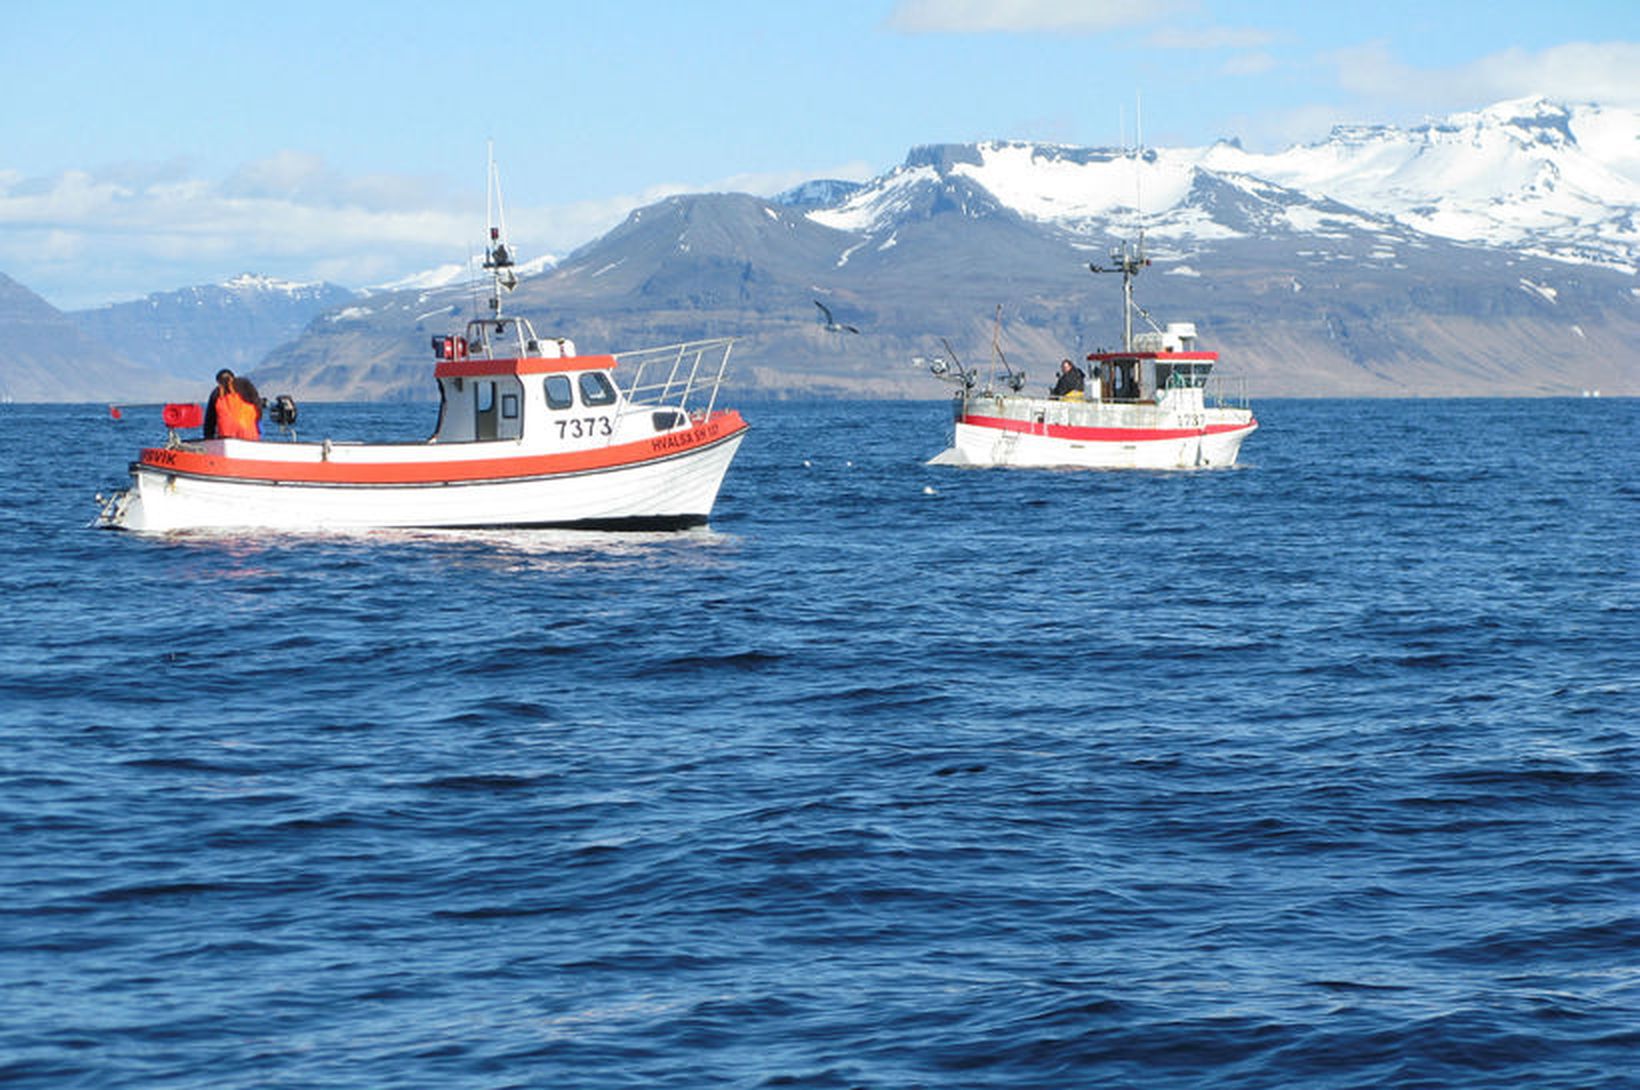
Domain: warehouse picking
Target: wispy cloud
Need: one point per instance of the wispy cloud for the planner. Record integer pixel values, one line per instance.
(86, 237)
(1026, 16)
(1211, 38)
(1091, 17)
(1370, 83)
(1248, 64)
(1577, 71)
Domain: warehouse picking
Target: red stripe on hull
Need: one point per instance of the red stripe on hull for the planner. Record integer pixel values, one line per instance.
(1101, 435)
(721, 426)
(1211, 357)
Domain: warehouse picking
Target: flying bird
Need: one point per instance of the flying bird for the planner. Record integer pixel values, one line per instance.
(831, 323)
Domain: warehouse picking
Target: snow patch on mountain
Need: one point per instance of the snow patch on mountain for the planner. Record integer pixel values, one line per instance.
(459, 274)
(1542, 291)
(1045, 184)
(880, 202)
(246, 283)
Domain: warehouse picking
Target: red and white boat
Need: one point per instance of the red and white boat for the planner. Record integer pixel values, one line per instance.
(529, 434)
(1153, 405)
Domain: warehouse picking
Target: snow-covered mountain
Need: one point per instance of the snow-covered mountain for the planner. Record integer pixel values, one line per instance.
(1529, 175)
(1558, 180)
(818, 193)
(196, 330)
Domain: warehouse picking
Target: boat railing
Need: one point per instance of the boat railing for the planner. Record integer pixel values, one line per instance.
(1226, 392)
(505, 337)
(676, 375)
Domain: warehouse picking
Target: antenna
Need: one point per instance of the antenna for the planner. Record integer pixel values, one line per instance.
(1138, 166)
(497, 258)
(1129, 258)
(499, 219)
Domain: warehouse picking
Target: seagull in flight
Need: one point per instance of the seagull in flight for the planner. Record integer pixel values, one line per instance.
(831, 323)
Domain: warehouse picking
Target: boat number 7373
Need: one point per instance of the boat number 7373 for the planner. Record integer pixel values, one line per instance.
(584, 427)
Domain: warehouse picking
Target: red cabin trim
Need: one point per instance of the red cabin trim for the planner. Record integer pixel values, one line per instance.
(1102, 356)
(531, 365)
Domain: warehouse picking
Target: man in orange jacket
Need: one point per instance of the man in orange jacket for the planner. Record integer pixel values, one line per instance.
(239, 411)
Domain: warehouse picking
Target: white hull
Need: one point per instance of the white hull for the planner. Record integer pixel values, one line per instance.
(662, 493)
(1041, 433)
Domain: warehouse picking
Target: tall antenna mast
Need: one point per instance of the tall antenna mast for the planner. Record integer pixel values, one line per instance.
(497, 257)
(1127, 261)
(1127, 258)
(1138, 166)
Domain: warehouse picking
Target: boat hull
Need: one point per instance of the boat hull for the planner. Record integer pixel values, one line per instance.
(1043, 433)
(673, 491)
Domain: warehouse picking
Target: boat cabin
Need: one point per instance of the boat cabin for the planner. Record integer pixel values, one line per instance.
(1157, 362)
(500, 374)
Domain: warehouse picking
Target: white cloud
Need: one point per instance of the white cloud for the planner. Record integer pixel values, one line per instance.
(82, 238)
(1373, 85)
(284, 174)
(1025, 16)
(1574, 72)
(1248, 64)
(1272, 130)
(1211, 38)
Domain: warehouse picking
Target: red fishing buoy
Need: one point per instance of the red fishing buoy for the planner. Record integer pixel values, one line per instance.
(182, 415)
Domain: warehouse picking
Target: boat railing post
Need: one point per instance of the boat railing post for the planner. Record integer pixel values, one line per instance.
(717, 382)
(681, 383)
(695, 379)
(672, 378)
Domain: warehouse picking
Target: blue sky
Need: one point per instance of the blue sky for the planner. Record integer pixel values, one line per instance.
(149, 146)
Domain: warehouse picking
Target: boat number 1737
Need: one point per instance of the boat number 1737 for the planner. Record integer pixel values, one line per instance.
(583, 427)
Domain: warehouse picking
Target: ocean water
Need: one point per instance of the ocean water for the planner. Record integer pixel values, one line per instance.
(1317, 772)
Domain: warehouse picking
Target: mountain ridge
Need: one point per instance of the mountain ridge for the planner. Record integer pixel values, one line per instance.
(1492, 251)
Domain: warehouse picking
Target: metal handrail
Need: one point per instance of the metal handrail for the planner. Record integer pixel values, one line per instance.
(690, 371)
(1227, 391)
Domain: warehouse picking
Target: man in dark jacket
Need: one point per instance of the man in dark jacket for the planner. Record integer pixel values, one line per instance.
(224, 381)
(1071, 379)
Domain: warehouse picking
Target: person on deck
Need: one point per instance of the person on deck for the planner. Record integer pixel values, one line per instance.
(239, 411)
(1070, 383)
(224, 383)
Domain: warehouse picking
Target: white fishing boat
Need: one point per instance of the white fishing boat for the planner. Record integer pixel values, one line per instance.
(1155, 404)
(530, 433)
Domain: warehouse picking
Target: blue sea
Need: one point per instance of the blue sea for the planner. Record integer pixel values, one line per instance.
(1318, 772)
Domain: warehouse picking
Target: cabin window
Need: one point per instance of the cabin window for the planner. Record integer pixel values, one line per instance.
(510, 426)
(596, 389)
(1169, 375)
(1124, 380)
(559, 395)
